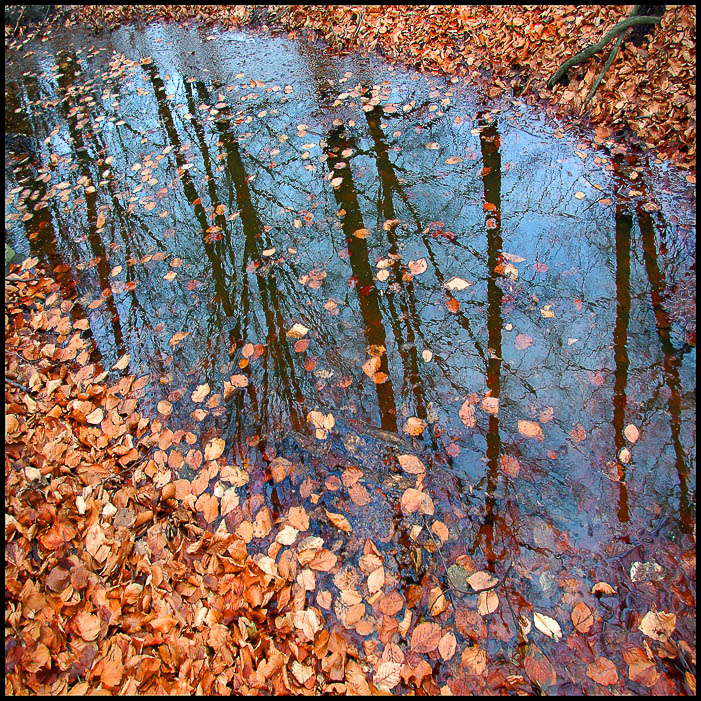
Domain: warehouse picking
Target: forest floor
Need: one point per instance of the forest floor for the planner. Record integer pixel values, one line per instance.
(111, 588)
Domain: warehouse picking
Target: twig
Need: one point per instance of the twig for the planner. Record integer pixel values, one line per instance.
(19, 19)
(360, 21)
(9, 381)
(609, 61)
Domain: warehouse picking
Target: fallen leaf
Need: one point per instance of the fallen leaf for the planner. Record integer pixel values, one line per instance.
(631, 433)
(481, 580)
(582, 618)
(418, 266)
(447, 646)
(425, 637)
(411, 464)
(200, 393)
(456, 284)
(658, 625)
(523, 340)
(414, 426)
(214, 448)
(297, 331)
(547, 625)
(474, 660)
(122, 363)
(339, 520)
(603, 671)
(530, 429)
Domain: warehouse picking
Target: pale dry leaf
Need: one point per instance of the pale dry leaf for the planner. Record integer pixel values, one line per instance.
(547, 625)
(214, 448)
(530, 429)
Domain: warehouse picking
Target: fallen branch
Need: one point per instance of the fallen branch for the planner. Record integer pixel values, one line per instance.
(609, 61)
(595, 48)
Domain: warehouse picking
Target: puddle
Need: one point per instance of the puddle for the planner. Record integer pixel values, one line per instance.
(450, 260)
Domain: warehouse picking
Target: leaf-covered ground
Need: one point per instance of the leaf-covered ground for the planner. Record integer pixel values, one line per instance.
(649, 92)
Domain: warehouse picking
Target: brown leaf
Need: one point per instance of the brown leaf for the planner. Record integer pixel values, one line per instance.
(447, 646)
(425, 637)
(474, 660)
(538, 668)
(324, 561)
(603, 671)
(214, 448)
(414, 426)
(582, 617)
(523, 340)
(578, 433)
(338, 520)
(411, 464)
(509, 465)
(87, 625)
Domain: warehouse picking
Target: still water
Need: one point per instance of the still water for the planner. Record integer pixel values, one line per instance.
(437, 249)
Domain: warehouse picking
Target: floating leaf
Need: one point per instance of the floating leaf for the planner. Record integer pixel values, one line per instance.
(523, 341)
(547, 625)
(631, 433)
(414, 426)
(200, 393)
(481, 580)
(177, 337)
(122, 363)
(338, 520)
(297, 331)
(411, 464)
(418, 266)
(455, 284)
(582, 617)
(530, 429)
(214, 448)
(603, 671)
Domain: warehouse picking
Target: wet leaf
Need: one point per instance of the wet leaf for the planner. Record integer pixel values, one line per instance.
(411, 464)
(456, 284)
(414, 426)
(481, 580)
(547, 625)
(339, 520)
(425, 637)
(447, 646)
(631, 433)
(523, 341)
(530, 429)
(582, 618)
(658, 625)
(603, 671)
(200, 393)
(122, 363)
(474, 660)
(214, 449)
(418, 266)
(487, 602)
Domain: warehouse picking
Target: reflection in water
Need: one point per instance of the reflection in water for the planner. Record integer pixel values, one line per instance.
(352, 220)
(228, 172)
(672, 362)
(624, 224)
(491, 160)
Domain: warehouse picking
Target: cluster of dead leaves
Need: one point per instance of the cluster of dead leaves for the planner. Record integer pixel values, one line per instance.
(649, 90)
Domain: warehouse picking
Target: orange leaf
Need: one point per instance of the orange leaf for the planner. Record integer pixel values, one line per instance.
(602, 671)
(425, 637)
(453, 305)
(582, 618)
